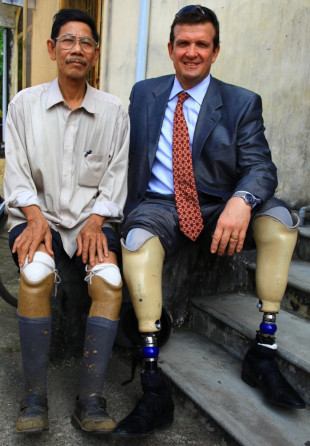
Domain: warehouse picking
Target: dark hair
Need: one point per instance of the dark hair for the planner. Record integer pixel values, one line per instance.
(72, 15)
(196, 16)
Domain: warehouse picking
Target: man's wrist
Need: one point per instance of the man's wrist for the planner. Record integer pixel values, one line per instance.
(250, 199)
(97, 219)
(32, 212)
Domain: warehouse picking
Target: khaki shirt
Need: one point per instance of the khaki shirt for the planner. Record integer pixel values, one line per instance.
(69, 163)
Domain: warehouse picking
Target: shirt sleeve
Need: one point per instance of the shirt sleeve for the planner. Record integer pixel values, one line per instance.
(19, 188)
(113, 185)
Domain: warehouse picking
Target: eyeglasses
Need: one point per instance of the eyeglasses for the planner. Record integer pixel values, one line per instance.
(68, 41)
(190, 8)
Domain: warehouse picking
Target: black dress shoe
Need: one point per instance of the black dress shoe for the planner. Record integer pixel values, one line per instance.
(91, 416)
(155, 409)
(33, 417)
(259, 368)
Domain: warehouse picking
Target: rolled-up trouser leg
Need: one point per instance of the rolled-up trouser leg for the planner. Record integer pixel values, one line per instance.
(143, 274)
(275, 243)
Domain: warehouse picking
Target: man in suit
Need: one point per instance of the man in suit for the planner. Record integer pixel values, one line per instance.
(230, 198)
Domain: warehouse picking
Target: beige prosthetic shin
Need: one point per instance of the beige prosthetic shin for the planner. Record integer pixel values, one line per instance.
(34, 297)
(275, 245)
(143, 274)
(106, 298)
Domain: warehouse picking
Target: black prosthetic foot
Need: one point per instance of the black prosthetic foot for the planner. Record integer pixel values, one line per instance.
(260, 369)
(155, 409)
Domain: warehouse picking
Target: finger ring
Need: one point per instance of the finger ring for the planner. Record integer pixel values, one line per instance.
(233, 238)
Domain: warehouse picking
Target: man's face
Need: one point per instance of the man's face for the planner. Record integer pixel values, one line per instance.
(73, 63)
(193, 53)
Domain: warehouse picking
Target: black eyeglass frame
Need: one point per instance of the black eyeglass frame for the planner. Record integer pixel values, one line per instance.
(190, 8)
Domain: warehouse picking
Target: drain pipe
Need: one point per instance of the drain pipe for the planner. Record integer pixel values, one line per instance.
(142, 39)
(4, 82)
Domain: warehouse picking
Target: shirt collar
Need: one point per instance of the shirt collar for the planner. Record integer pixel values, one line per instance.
(197, 93)
(55, 97)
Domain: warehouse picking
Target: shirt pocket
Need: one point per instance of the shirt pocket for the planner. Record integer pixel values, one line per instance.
(91, 170)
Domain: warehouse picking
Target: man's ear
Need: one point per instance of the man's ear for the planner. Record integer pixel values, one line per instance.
(51, 48)
(215, 53)
(97, 52)
(170, 49)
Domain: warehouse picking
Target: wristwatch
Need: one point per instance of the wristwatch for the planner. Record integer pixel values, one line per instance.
(248, 198)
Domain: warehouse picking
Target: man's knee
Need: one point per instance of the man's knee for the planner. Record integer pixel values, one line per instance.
(36, 285)
(105, 290)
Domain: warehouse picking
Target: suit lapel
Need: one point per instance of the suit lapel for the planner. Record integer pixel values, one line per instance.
(208, 118)
(156, 112)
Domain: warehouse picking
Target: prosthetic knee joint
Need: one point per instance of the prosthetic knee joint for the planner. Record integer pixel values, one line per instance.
(275, 243)
(143, 274)
(37, 280)
(105, 290)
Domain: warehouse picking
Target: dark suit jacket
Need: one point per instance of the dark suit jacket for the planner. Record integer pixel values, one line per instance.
(230, 151)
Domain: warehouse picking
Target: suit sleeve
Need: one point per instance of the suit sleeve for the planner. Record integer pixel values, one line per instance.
(256, 172)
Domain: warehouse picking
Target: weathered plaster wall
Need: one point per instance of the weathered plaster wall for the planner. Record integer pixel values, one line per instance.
(264, 47)
(42, 68)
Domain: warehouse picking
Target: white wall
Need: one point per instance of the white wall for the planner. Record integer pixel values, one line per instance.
(264, 47)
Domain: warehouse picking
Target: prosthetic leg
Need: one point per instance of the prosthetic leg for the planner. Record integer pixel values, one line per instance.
(275, 244)
(34, 318)
(143, 275)
(105, 291)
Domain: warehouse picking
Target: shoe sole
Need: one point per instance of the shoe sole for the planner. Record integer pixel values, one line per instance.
(160, 426)
(38, 430)
(76, 423)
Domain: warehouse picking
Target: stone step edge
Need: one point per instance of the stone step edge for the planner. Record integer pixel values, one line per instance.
(245, 331)
(292, 281)
(205, 409)
(239, 428)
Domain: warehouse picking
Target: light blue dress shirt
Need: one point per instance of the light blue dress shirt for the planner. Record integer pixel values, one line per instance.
(162, 179)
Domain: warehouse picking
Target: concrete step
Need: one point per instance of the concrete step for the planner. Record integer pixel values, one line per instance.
(297, 295)
(210, 377)
(231, 320)
(303, 244)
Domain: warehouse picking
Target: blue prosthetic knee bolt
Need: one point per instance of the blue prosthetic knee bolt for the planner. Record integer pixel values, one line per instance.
(267, 329)
(150, 351)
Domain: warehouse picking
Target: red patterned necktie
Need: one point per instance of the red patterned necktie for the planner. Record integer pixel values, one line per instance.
(186, 198)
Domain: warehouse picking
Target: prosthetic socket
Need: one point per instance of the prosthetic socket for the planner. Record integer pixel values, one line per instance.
(275, 243)
(105, 290)
(143, 274)
(40, 276)
(37, 280)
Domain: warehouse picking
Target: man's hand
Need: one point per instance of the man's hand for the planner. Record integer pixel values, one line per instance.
(91, 241)
(36, 232)
(231, 227)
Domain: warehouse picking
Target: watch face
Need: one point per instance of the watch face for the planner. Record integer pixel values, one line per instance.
(249, 199)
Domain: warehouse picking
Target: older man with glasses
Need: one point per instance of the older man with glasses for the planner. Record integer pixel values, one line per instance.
(65, 185)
